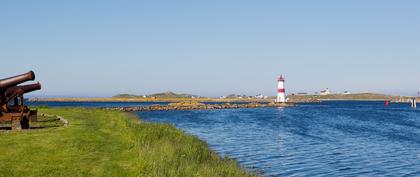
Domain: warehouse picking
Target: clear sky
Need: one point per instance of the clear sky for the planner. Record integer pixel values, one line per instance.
(100, 48)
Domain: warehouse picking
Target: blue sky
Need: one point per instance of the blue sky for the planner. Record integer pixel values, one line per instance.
(212, 48)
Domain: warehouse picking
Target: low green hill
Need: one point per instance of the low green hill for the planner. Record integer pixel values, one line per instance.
(158, 95)
(125, 95)
(172, 95)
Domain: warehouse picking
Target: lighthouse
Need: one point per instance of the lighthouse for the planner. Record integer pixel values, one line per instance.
(281, 95)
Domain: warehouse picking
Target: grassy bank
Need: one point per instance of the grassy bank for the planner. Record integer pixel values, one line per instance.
(108, 143)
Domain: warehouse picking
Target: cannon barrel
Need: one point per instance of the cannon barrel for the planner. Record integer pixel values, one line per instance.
(25, 88)
(15, 80)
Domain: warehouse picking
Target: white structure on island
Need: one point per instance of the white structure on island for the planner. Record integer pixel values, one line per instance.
(281, 95)
(326, 92)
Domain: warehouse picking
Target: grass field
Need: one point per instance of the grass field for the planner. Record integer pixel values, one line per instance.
(108, 143)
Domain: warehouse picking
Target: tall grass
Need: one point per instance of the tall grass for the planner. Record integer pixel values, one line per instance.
(108, 143)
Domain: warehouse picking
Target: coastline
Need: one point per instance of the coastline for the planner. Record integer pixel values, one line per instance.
(353, 97)
(198, 106)
(101, 142)
(145, 100)
(292, 98)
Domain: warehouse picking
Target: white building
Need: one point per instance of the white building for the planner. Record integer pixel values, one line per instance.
(260, 96)
(325, 92)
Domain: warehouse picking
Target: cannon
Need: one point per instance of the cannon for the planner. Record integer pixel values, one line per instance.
(12, 107)
(15, 80)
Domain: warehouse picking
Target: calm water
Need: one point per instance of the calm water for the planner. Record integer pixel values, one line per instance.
(103, 104)
(92, 104)
(326, 139)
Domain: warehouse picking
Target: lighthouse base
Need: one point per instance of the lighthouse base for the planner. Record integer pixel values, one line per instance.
(280, 104)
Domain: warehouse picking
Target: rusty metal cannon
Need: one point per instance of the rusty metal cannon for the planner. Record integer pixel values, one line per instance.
(13, 111)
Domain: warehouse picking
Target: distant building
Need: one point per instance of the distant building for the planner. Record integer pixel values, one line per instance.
(301, 93)
(346, 93)
(325, 92)
(260, 96)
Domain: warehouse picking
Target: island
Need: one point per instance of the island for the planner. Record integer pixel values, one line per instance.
(232, 98)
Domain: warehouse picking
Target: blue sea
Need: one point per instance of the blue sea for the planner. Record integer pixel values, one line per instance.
(324, 139)
(104, 104)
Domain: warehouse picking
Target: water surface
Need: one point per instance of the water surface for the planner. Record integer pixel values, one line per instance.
(98, 104)
(326, 139)
(90, 104)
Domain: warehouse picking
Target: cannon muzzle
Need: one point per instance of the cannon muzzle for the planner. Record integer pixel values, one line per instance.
(25, 88)
(15, 80)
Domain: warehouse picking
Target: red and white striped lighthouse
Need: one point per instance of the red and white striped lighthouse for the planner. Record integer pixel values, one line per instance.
(281, 95)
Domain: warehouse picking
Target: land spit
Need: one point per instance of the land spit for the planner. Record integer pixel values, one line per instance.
(198, 106)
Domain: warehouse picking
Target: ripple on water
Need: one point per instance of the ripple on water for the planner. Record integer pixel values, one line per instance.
(327, 139)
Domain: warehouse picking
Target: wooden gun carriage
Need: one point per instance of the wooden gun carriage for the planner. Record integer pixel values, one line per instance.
(13, 111)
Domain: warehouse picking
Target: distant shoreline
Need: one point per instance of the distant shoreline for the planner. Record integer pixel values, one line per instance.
(144, 100)
(292, 98)
(353, 97)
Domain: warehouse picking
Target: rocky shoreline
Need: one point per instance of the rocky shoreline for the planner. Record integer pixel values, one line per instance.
(198, 106)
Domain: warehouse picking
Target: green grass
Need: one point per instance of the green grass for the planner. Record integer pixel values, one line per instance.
(108, 143)
(46, 121)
